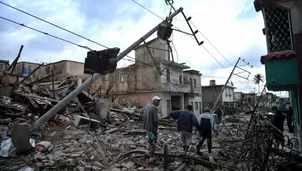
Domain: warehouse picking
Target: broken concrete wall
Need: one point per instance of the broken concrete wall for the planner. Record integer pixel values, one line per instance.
(24, 68)
(102, 108)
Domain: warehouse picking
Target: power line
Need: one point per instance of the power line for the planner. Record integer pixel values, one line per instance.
(192, 38)
(76, 34)
(147, 9)
(52, 24)
(56, 37)
(189, 36)
(211, 43)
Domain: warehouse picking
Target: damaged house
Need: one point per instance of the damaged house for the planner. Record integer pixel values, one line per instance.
(155, 73)
(211, 92)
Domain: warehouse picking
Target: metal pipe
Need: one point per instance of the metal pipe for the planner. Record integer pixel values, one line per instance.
(217, 100)
(53, 111)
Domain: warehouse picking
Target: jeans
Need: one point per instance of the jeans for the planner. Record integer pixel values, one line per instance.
(201, 141)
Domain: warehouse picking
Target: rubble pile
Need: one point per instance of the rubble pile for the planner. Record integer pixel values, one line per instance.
(92, 133)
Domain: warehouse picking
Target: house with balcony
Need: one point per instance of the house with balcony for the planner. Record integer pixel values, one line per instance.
(283, 62)
(155, 73)
(211, 92)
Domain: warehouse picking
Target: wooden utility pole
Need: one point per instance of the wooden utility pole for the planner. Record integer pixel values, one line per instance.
(226, 83)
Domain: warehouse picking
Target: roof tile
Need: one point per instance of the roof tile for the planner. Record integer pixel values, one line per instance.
(278, 55)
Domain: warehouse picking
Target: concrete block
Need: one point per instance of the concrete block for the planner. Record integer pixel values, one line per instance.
(81, 120)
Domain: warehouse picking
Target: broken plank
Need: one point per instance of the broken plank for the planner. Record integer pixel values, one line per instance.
(180, 167)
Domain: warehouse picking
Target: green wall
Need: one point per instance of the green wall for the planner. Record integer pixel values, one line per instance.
(281, 74)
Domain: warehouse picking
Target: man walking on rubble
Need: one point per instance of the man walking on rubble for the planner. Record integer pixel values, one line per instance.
(185, 122)
(150, 118)
(206, 130)
(278, 121)
(218, 112)
(289, 118)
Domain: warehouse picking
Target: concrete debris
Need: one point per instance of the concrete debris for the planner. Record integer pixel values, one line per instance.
(92, 133)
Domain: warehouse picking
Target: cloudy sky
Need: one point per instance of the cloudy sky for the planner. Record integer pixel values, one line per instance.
(232, 26)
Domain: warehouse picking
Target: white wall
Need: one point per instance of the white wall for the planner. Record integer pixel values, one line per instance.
(193, 100)
(228, 95)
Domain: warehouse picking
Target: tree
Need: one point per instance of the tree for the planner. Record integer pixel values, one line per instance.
(257, 80)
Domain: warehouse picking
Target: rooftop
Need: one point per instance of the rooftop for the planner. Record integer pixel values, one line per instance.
(192, 71)
(176, 65)
(211, 86)
(149, 42)
(4, 61)
(278, 55)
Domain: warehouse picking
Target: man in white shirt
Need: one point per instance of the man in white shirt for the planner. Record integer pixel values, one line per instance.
(206, 130)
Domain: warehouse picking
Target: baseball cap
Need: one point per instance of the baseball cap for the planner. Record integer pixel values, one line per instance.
(207, 109)
(156, 98)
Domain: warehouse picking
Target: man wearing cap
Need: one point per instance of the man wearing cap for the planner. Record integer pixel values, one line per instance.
(150, 118)
(206, 129)
(185, 122)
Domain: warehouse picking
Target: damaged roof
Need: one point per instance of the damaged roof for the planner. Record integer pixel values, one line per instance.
(278, 55)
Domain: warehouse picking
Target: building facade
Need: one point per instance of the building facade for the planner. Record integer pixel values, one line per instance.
(210, 94)
(4, 64)
(155, 73)
(61, 69)
(283, 63)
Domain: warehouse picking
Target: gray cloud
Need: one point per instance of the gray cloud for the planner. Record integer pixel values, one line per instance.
(85, 14)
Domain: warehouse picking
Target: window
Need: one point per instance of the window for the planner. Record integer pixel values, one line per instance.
(168, 105)
(195, 83)
(168, 74)
(192, 104)
(29, 69)
(200, 107)
(180, 79)
(278, 29)
(196, 106)
(123, 77)
(1, 67)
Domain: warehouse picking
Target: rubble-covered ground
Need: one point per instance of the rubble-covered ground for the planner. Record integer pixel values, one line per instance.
(92, 133)
(79, 148)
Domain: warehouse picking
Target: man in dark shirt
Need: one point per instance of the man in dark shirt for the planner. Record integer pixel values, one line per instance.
(185, 122)
(150, 118)
(218, 112)
(278, 121)
(289, 119)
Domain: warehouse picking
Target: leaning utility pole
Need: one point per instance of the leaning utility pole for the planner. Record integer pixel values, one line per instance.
(53, 111)
(226, 83)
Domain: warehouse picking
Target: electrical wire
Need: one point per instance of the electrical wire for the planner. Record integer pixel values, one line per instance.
(76, 34)
(56, 37)
(210, 43)
(190, 37)
(147, 9)
(85, 47)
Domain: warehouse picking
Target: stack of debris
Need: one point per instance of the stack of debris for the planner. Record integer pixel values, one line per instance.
(92, 133)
